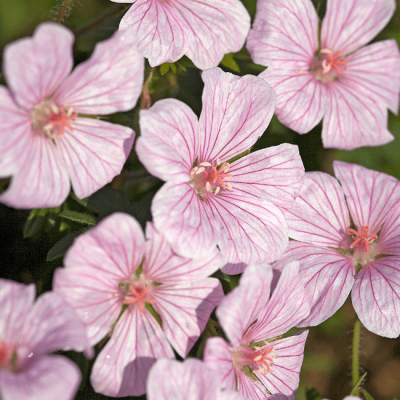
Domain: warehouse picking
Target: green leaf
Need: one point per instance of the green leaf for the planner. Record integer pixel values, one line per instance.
(357, 386)
(173, 67)
(164, 68)
(36, 220)
(312, 394)
(229, 62)
(61, 247)
(78, 217)
(367, 395)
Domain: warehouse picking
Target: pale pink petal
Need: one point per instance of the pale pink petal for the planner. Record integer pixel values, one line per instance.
(14, 134)
(16, 301)
(42, 179)
(274, 174)
(319, 215)
(53, 325)
(190, 380)
(373, 70)
(162, 265)
(284, 375)
(350, 24)
(46, 378)
(253, 230)
(251, 389)
(94, 153)
(236, 112)
(389, 237)
(218, 357)
(186, 221)
(34, 67)
(284, 34)
(242, 307)
(376, 296)
(353, 120)
(122, 367)
(160, 29)
(110, 81)
(287, 307)
(301, 99)
(184, 310)
(370, 194)
(167, 145)
(212, 29)
(328, 277)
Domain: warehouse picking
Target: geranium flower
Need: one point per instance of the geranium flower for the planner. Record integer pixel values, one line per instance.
(44, 142)
(256, 361)
(28, 332)
(204, 30)
(334, 77)
(332, 249)
(210, 197)
(141, 294)
(173, 380)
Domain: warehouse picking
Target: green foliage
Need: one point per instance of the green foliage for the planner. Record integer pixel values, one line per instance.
(39, 219)
(229, 62)
(312, 394)
(61, 247)
(367, 396)
(75, 216)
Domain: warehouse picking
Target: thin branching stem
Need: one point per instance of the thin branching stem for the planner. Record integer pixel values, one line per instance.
(64, 8)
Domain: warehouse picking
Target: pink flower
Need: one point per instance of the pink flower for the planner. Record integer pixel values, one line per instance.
(141, 294)
(45, 143)
(192, 379)
(204, 30)
(28, 332)
(209, 198)
(335, 77)
(256, 361)
(332, 250)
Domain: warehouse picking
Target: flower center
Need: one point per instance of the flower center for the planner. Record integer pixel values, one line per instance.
(51, 119)
(259, 358)
(8, 356)
(209, 178)
(328, 65)
(362, 238)
(137, 292)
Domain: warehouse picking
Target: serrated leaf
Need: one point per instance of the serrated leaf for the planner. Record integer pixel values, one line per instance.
(367, 395)
(61, 247)
(78, 217)
(313, 394)
(229, 62)
(164, 68)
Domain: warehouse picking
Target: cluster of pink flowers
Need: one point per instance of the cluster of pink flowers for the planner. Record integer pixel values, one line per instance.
(141, 298)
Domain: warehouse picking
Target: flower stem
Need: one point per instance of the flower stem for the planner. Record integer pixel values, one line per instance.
(355, 367)
(63, 10)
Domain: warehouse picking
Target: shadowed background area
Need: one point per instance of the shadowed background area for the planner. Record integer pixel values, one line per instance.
(28, 236)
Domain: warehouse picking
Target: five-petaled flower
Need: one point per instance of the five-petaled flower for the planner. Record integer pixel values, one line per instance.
(211, 197)
(331, 252)
(44, 142)
(28, 332)
(257, 362)
(204, 30)
(336, 78)
(141, 294)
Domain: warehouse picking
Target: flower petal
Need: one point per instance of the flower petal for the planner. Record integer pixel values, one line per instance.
(110, 81)
(251, 389)
(14, 134)
(389, 237)
(47, 378)
(328, 277)
(376, 296)
(370, 194)
(167, 145)
(287, 307)
(350, 24)
(242, 307)
(373, 70)
(185, 220)
(94, 153)
(284, 376)
(122, 367)
(34, 67)
(253, 230)
(319, 215)
(213, 29)
(284, 34)
(236, 112)
(184, 310)
(41, 180)
(301, 99)
(274, 174)
(218, 357)
(164, 266)
(160, 30)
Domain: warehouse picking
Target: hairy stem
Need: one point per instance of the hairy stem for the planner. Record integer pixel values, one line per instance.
(355, 365)
(63, 10)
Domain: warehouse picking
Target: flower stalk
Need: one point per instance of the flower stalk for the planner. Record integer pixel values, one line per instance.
(355, 367)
